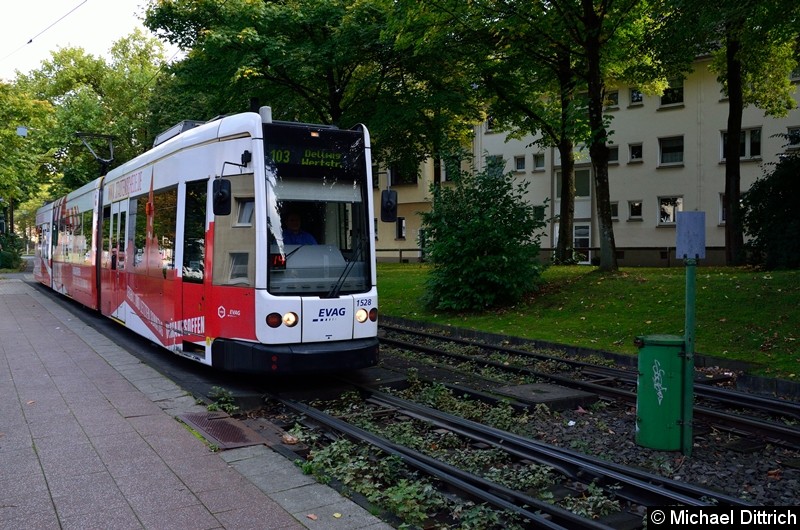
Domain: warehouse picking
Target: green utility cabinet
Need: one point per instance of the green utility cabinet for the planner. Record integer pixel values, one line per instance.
(660, 415)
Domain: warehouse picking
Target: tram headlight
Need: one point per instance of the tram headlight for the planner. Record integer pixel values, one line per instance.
(289, 319)
(361, 315)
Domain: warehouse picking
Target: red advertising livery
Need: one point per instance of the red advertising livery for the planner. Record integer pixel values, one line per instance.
(241, 243)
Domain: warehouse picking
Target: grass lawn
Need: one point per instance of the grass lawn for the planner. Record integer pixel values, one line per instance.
(741, 313)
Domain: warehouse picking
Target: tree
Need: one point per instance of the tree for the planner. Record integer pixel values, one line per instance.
(23, 166)
(772, 228)
(89, 94)
(483, 242)
(755, 47)
(338, 62)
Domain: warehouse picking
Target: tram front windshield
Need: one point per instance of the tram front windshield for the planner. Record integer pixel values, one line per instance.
(317, 211)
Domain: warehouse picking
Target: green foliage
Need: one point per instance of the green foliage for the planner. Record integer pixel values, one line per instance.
(11, 249)
(774, 229)
(743, 314)
(483, 242)
(223, 400)
(592, 504)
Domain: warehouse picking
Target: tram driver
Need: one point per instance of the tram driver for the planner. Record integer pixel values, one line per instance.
(293, 233)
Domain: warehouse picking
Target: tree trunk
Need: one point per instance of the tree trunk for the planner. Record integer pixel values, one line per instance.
(565, 244)
(734, 237)
(598, 150)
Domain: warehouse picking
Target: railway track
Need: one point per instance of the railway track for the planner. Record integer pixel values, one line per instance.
(620, 385)
(633, 488)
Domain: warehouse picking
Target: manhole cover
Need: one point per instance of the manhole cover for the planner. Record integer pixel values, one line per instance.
(222, 430)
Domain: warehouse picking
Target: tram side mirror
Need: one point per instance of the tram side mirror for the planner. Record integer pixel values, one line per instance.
(388, 206)
(222, 197)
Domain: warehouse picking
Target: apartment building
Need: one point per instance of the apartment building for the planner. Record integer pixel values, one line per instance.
(666, 156)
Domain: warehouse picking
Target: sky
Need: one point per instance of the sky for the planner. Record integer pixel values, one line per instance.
(93, 25)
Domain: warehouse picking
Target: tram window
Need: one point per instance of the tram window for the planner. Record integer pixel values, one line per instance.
(87, 236)
(157, 256)
(106, 259)
(194, 243)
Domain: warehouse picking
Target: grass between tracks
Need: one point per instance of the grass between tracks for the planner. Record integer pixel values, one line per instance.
(741, 313)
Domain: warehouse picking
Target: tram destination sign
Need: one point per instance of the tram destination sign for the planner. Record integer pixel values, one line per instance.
(312, 150)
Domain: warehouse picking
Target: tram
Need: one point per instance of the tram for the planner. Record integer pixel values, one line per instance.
(189, 245)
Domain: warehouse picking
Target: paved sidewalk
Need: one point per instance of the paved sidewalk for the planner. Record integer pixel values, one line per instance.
(89, 440)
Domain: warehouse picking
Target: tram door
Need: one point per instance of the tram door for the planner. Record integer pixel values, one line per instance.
(193, 268)
(117, 250)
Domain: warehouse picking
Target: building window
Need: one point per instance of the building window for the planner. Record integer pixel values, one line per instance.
(402, 173)
(495, 165)
(793, 138)
(615, 211)
(668, 208)
(490, 124)
(635, 210)
(722, 204)
(635, 153)
(612, 99)
(519, 163)
(400, 228)
(749, 144)
(613, 154)
(670, 150)
(538, 162)
(635, 97)
(583, 184)
(375, 227)
(581, 241)
(673, 95)
(244, 209)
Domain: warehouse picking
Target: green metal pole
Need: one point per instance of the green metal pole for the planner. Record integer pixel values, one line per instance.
(688, 365)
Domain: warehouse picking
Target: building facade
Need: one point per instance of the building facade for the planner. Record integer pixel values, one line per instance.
(666, 156)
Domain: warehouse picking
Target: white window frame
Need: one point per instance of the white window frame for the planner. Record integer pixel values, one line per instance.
(670, 216)
(245, 208)
(635, 159)
(748, 144)
(400, 228)
(796, 144)
(612, 99)
(496, 163)
(675, 89)
(537, 158)
(661, 148)
(582, 232)
(635, 97)
(631, 206)
(239, 260)
(519, 163)
(613, 154)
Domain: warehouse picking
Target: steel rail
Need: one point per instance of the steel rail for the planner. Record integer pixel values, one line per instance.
(554, 518)
(731, 397)
(637, 486)
(770, 431)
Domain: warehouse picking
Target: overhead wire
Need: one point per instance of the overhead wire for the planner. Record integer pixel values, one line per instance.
(44, 30)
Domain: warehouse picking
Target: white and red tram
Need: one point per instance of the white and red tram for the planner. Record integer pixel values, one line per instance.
(185, 245)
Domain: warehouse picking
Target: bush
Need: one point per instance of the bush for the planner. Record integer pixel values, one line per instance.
(483, 241)
(11, 249)
(769, 221)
